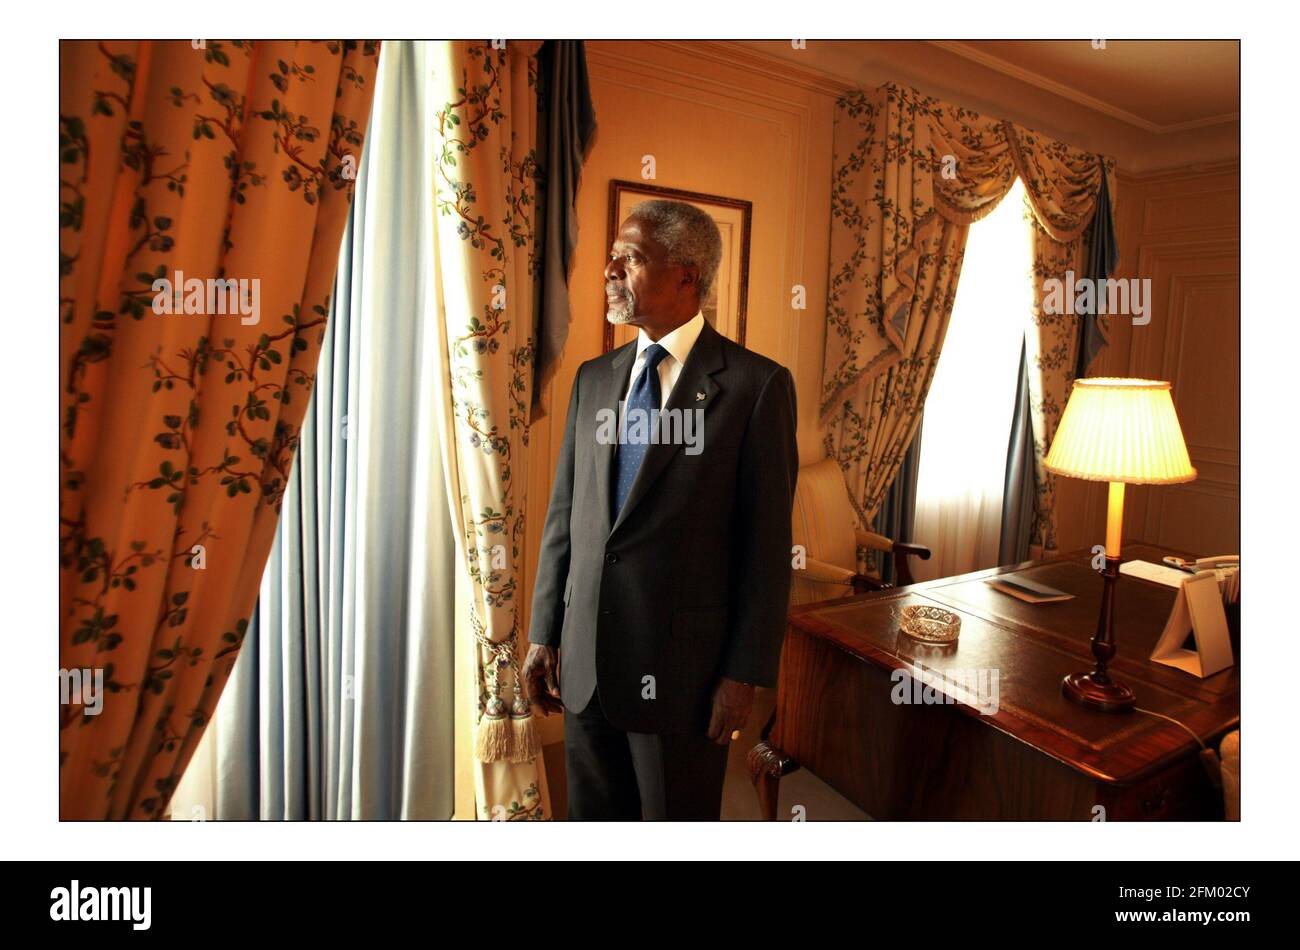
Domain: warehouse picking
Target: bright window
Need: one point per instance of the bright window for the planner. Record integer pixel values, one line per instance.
(972, 398)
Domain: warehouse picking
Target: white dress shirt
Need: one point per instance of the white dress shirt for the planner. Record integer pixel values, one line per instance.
(678, 343)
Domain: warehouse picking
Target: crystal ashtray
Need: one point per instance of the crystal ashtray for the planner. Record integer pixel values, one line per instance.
(929, 624)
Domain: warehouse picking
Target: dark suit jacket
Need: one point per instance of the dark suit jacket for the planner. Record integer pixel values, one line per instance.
(693, 580)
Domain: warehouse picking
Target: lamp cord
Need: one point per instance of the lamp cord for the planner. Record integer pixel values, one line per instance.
(1181, 725)
(1209, 758)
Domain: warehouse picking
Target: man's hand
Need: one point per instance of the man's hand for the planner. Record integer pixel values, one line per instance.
(541, 678)
(732, 702)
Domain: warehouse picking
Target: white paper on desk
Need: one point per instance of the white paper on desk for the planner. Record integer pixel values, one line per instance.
(1198, 610)
(1159, 573)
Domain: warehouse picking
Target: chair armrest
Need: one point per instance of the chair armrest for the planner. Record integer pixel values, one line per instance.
(878, 542)
(869, 539)
(918, 550)
(824, 573)
(900, 549)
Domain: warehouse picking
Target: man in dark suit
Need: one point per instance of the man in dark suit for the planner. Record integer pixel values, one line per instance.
(664, 573)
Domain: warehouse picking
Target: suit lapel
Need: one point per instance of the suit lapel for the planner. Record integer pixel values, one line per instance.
(696, 377)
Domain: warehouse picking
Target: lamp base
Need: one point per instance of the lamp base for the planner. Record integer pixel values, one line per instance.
(1098, 692)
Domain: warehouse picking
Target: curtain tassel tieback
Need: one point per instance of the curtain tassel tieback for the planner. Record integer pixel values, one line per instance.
(525, 745)
(492, 737)
(504, 735)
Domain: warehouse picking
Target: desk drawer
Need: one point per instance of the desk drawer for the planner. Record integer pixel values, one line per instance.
(1181, 792)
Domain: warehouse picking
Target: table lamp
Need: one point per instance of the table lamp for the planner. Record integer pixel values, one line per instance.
(1125, 432)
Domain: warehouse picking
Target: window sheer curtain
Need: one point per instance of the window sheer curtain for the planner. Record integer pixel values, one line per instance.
(969, 408)
(341, 703)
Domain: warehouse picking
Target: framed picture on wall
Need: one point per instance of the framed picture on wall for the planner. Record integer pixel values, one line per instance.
(725, 308)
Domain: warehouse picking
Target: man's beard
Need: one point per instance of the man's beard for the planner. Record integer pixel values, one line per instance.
(620, 311)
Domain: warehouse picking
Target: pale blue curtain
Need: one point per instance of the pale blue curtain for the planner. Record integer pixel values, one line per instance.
(341, 703)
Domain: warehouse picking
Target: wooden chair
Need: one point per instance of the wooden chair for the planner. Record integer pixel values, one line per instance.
(835, 548)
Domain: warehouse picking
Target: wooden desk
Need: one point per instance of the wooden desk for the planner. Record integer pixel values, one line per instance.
(1038, 756)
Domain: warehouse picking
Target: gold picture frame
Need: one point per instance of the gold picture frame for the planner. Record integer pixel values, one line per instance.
(728, 299)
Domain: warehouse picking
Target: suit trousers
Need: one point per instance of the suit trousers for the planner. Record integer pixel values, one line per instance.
(629, 776)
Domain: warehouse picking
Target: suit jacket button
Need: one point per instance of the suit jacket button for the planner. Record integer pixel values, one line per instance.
(611, 558)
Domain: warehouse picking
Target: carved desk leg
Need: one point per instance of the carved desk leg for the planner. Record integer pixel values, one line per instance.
(767, 763)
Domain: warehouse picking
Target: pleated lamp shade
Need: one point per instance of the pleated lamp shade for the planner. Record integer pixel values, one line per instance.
(1120, 430)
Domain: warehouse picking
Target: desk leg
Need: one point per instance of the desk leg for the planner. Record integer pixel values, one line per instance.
(767, 763)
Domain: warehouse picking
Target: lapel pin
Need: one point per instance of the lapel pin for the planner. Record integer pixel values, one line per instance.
(699, 396)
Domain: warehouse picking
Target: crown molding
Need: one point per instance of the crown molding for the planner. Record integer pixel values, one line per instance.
(990, 61)
(1228, 166)
(768, 65)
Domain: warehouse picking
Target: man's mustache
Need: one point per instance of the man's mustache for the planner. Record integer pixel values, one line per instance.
(612, 291)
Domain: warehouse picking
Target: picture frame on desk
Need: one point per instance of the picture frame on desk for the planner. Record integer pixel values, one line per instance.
(729, 297)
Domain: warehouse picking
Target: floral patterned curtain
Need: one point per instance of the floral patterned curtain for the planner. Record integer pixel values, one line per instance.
(911, 174)
(486, 169)
(203, 191)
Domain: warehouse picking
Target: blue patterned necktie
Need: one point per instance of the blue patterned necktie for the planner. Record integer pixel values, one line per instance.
(644, 398)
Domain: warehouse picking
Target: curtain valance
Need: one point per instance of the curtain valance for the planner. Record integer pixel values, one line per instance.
(922, 161)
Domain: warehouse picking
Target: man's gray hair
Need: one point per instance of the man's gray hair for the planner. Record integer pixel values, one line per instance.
(688, 234)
